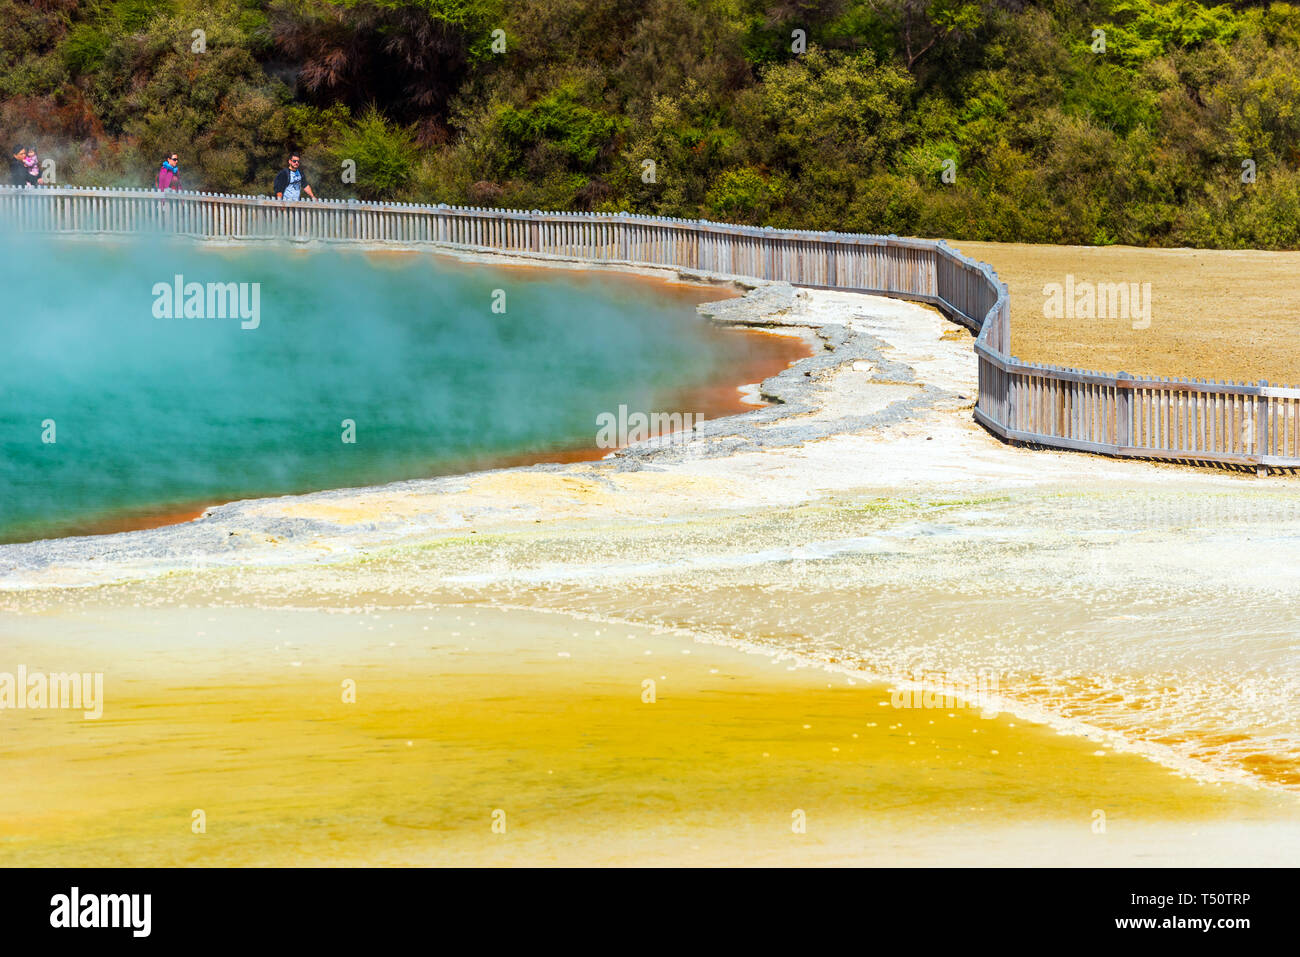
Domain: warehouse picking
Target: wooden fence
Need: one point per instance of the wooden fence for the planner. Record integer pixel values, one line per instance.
(1190, 420)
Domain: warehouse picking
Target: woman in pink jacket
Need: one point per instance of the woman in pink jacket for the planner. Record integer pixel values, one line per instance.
(169, 174)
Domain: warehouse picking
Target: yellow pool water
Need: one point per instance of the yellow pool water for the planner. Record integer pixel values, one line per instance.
(496, 736)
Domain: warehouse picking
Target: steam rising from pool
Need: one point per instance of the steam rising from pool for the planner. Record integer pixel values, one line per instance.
(109, 406)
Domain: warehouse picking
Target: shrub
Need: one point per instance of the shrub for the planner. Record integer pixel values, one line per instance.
(384, 153)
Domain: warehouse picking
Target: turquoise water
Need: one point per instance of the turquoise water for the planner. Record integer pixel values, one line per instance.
(148, 413)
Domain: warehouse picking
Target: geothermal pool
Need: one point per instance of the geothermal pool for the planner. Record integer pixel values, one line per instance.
(499, 631)
(137, 384)
(508, 670)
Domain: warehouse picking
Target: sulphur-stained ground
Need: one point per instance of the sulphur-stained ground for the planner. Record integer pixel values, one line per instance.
(1215, 314)
(468, 735)
(1136, 622)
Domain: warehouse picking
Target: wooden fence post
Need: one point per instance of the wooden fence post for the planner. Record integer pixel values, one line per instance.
(1123, 420)
(1261, 424)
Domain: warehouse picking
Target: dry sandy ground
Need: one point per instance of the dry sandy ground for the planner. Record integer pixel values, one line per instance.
(1216, 314)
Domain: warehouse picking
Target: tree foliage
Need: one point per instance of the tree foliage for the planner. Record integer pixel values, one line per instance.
(989, 119)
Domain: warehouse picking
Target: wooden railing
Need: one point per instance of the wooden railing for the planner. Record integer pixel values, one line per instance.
(1195, 420)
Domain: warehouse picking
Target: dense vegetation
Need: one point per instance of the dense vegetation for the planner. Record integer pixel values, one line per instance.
(1050, 137)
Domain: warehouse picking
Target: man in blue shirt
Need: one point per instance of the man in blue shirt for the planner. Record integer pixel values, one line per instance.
(290, 183)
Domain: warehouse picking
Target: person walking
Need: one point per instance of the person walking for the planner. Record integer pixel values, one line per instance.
(169, 174)
(25, 168)
(290, 183)
(18, 167)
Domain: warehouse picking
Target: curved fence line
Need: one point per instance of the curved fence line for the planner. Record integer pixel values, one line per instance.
(1184, 419)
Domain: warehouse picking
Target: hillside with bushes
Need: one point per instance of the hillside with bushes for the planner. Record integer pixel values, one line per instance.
(1114, 121)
